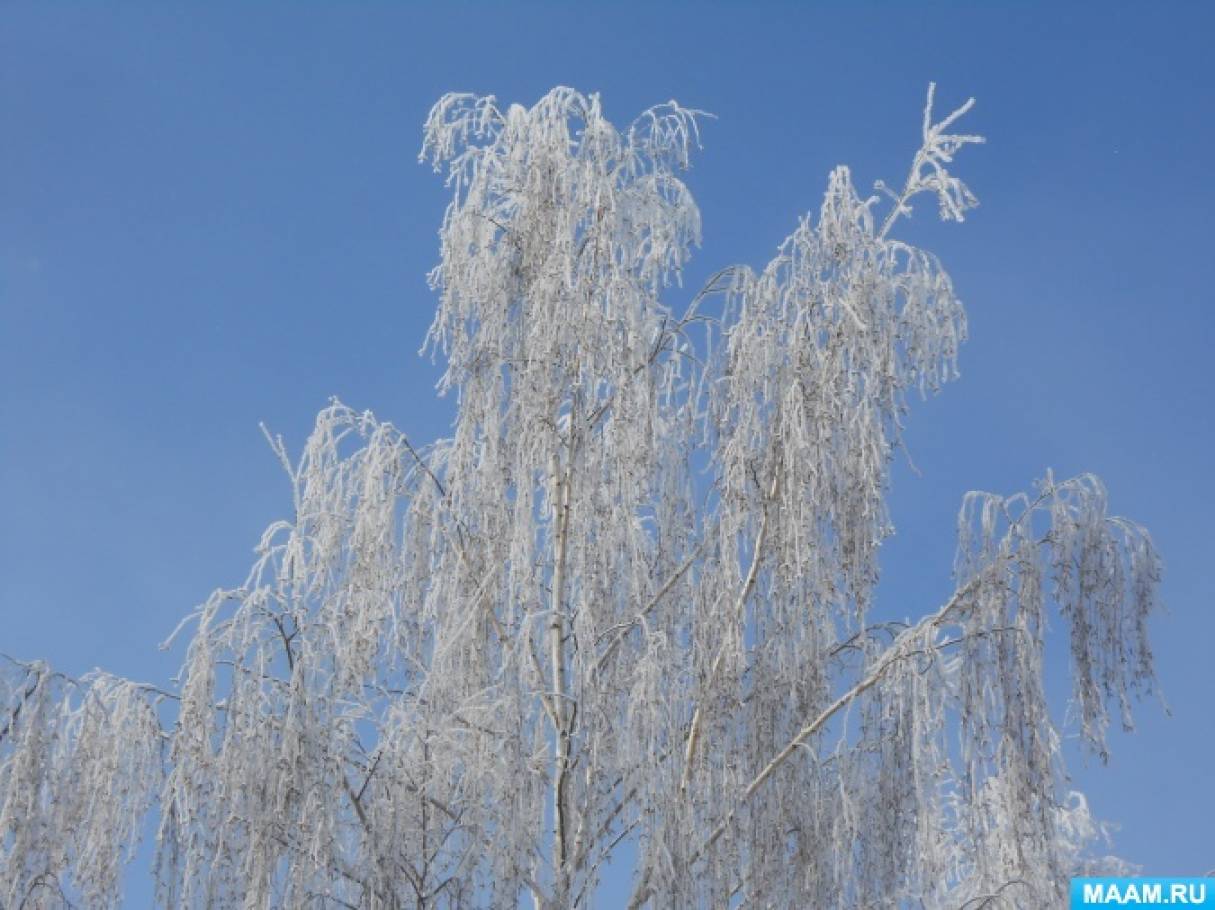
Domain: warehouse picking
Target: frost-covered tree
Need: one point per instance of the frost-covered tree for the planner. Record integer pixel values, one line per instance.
(625, 610)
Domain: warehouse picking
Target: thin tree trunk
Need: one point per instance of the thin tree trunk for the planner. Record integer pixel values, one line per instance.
(559, 695)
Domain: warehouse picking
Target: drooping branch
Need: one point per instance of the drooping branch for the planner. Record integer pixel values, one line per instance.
(628, 600)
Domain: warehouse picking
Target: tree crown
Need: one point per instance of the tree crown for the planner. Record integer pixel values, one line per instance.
(627, 600)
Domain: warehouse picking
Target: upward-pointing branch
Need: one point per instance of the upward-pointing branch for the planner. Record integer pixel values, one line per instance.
(748, 584)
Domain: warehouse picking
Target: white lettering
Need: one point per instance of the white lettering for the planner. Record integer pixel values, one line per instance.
(1144, 892)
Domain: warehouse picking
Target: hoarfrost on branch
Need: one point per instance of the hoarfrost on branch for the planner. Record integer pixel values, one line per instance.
(627, 601)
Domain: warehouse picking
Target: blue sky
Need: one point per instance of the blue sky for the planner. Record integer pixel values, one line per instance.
(211, 217)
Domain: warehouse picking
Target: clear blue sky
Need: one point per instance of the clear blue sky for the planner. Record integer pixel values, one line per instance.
(211, 216)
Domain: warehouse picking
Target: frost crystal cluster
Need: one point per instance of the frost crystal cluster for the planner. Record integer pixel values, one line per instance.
(625, 610)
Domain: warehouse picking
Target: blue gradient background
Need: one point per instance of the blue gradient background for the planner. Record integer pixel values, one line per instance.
(211, 216)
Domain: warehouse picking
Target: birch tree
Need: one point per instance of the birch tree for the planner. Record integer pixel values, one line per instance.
(626, 609)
